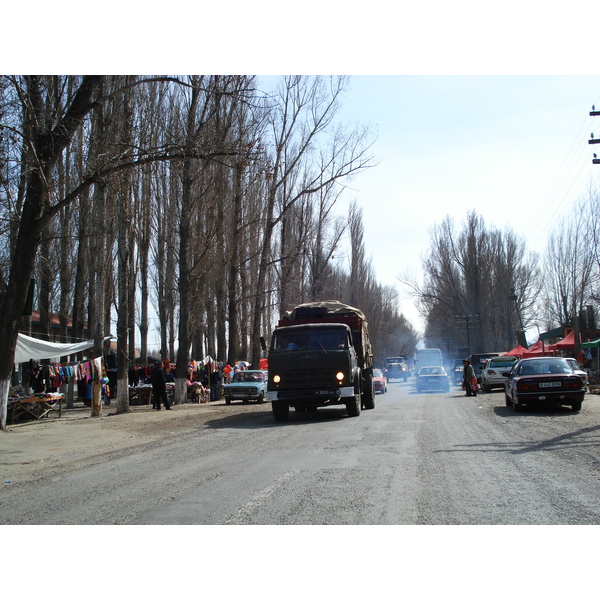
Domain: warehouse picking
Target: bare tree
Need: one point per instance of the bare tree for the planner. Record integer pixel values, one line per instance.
(304, 111)
(571, 263)
(476, 283)
(46, 135)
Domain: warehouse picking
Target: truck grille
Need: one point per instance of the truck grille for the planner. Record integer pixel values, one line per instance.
(308, 379)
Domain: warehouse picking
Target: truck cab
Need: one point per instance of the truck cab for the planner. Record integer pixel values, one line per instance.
(396, 367)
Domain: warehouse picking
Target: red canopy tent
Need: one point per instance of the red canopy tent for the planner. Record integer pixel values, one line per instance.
(567, 343)
(538, 349)
(518, 350)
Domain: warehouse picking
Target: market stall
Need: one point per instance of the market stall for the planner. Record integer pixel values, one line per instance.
(25, 404)
(36, 406)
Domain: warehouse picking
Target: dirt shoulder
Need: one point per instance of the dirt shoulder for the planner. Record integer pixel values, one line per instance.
(35, 449)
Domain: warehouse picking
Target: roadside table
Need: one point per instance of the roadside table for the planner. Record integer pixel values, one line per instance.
(140, 395)
(34, 406)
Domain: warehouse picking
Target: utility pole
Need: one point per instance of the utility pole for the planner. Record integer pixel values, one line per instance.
(593, 140)
(468, 321)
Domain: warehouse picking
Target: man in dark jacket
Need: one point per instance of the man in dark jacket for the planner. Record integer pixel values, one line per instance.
(159, 387)
(215, 382)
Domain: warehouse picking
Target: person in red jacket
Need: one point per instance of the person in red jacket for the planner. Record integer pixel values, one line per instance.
(469, 379)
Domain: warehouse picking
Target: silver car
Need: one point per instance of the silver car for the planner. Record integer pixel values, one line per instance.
(491, 375)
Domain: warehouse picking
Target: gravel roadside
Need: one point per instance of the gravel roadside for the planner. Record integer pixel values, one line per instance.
(33, 450)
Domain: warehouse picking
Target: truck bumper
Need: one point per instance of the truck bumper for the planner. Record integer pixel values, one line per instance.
(324, 396)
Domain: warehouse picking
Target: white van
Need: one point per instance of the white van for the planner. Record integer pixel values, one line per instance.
(428, 357)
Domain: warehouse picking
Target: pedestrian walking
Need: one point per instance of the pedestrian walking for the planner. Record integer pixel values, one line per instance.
(215, 382)
(159, 387)
(469, 379)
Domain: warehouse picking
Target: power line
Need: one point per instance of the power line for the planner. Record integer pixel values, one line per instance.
(592, 140)
(570, 174)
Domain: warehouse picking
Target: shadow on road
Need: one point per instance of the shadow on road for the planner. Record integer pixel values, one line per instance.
(259, 420)
(535, 411)
(580, 438)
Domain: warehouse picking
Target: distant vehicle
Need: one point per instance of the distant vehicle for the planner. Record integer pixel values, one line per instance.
(396, 368)
(433, 379)
(379, 381)
(478, 361)
(395, 359)
(576, 368)
(544, 380)
(246, 386)
(491, 375)
(428, 357)
(457, 371)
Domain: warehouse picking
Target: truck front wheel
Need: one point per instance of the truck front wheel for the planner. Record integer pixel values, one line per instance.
(353, 407)
(281, 410)
(368, 395)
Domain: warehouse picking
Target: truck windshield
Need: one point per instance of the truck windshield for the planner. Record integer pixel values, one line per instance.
(325, 339)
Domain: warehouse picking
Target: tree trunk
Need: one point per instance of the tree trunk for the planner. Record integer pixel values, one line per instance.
(184, 255)
(47, 149)
(234, 267)
(123, 260)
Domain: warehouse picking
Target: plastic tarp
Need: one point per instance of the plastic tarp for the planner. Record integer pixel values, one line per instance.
(331, 306)
(553, 333)
(29, 348)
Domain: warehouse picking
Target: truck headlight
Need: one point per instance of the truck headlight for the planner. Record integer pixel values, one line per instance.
(276, 379)
(339, 376)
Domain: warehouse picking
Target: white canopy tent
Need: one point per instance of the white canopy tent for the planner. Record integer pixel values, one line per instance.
(32, 348)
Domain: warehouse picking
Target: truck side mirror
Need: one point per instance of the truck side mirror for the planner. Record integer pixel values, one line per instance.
(263, 344)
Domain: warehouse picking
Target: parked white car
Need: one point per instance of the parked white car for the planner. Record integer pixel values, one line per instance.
(575, 366)
(491, 374)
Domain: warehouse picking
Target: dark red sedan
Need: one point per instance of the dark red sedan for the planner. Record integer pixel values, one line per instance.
(543, 381)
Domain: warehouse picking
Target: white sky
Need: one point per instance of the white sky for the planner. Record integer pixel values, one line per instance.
(513, 148)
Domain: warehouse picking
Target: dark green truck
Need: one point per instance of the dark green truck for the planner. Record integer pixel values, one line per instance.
(320, 355)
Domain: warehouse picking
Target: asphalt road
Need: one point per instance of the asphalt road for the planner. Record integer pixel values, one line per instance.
(431, 458)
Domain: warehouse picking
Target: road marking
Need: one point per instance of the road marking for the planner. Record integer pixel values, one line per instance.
(259, 499)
